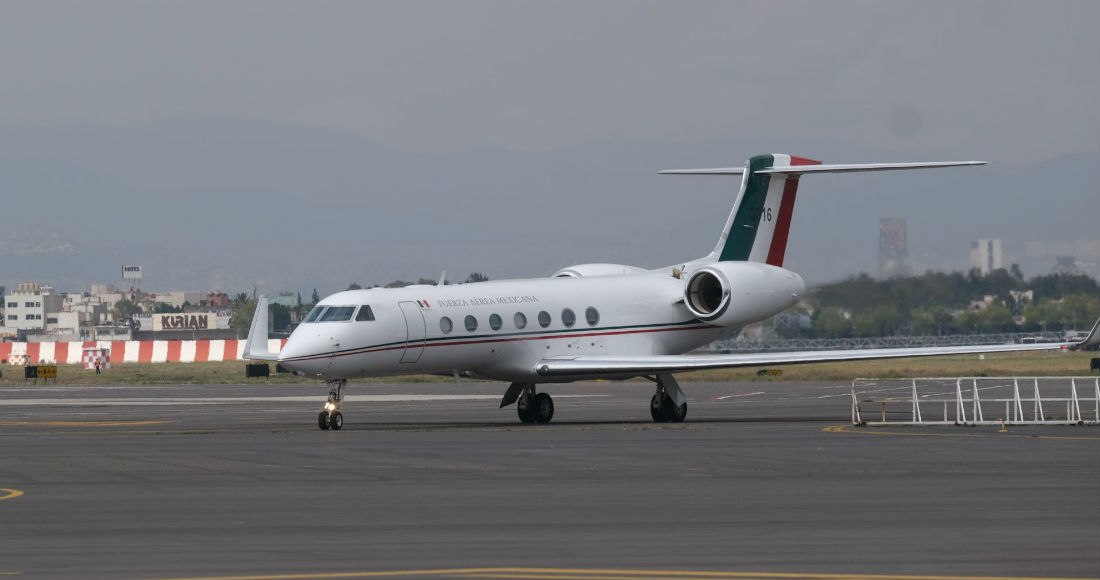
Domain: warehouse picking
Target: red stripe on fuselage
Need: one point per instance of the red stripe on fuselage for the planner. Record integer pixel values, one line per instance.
(492, 340)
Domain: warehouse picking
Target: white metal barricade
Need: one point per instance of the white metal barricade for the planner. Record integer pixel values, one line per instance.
(963, 403)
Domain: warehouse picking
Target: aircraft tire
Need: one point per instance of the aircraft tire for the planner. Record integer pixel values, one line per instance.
(526, 412)
(543, 408)
(677, 414)
(336, 422)
(657, 409)
(322, 420)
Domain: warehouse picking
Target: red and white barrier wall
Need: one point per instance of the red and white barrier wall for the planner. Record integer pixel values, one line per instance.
(145, 351)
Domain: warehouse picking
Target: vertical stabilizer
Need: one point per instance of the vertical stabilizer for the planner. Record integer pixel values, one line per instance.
(255, 347)
(760, 222)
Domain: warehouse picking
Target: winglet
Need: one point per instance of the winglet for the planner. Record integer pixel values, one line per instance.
(255, 348)
(1092, 339)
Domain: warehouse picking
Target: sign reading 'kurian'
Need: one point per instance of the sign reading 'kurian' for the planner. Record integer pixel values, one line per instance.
(186, 321)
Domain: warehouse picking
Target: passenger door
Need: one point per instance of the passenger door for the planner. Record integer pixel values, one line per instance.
(417, 330)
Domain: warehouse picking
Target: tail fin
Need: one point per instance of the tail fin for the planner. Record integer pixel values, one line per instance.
(255, 348)
(758, 226)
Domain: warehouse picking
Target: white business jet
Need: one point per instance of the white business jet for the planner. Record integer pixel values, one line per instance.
(587, 321)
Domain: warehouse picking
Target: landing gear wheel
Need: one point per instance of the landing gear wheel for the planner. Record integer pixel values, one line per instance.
(678, 413)
(526, 412)
(657, 409)
(663, 410)
(322, 420)
(336, 421)
(543, 408)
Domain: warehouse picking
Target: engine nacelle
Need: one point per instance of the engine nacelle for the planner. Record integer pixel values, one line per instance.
(739, 293)
(590, 270)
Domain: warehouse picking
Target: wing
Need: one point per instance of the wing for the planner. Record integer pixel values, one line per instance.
(640, 365)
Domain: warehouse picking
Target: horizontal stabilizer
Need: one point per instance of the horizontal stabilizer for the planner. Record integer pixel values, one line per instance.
(833, 168)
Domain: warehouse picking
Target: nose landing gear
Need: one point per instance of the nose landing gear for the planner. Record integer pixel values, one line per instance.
(331, 417)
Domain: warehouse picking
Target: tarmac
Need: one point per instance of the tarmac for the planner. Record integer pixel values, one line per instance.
(763, 481)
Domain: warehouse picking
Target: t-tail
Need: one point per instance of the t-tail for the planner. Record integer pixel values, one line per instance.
(760, 222)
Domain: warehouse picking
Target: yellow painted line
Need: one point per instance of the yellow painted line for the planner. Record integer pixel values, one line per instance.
(11, 494)
(552, 576)
(376, 574)
(80, 423)
(601, 574)
(875, 431)
(556, 576)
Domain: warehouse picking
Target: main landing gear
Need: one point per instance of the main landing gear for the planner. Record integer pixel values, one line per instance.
(331, 417)
(531, 407)
(668, 405)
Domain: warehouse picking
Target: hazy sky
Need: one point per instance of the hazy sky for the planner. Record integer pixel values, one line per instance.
(1012, 82)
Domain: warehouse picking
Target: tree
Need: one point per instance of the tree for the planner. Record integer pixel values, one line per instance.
(241, 309)
(995, 318)
(165, 308)
(280, 317)
(354, 286)
(126, 309)
(882, 320)
(476, 277)
(316, 298)
(830, 322)
(930, 320)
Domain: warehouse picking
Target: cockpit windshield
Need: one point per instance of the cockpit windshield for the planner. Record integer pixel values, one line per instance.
(337, 314)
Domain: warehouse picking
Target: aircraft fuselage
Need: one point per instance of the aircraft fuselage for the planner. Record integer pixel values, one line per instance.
(500, 330)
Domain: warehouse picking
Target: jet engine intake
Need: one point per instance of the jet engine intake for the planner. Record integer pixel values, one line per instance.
(737, 293)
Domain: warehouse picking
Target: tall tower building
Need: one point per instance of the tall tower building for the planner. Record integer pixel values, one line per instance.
(985, 255)
(893, 248)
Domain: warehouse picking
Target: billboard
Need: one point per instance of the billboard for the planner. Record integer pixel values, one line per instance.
(186, 321)
(132, 272)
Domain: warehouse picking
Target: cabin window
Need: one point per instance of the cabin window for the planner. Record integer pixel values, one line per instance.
(567, 317)
(446, 325)
(337, 314)
(495, 322)
(365, 314)
(471, 323)
(544, 319)
(592, 316)
(313, 314)
(520, 320)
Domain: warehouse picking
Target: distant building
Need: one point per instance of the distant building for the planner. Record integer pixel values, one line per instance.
(985, 255)
(177, 299)
(1066, 265)
(893, 248)
(28, 306)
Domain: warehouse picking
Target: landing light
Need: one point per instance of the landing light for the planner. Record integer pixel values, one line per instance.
(330, 406)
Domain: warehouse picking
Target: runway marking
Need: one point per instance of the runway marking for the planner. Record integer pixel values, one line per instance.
(875, 431)
(724, 397)
(80, 423)
(11, 494)
(601, 574)
(165, 401)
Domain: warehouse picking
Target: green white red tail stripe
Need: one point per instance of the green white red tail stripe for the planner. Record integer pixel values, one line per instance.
(761, 219)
